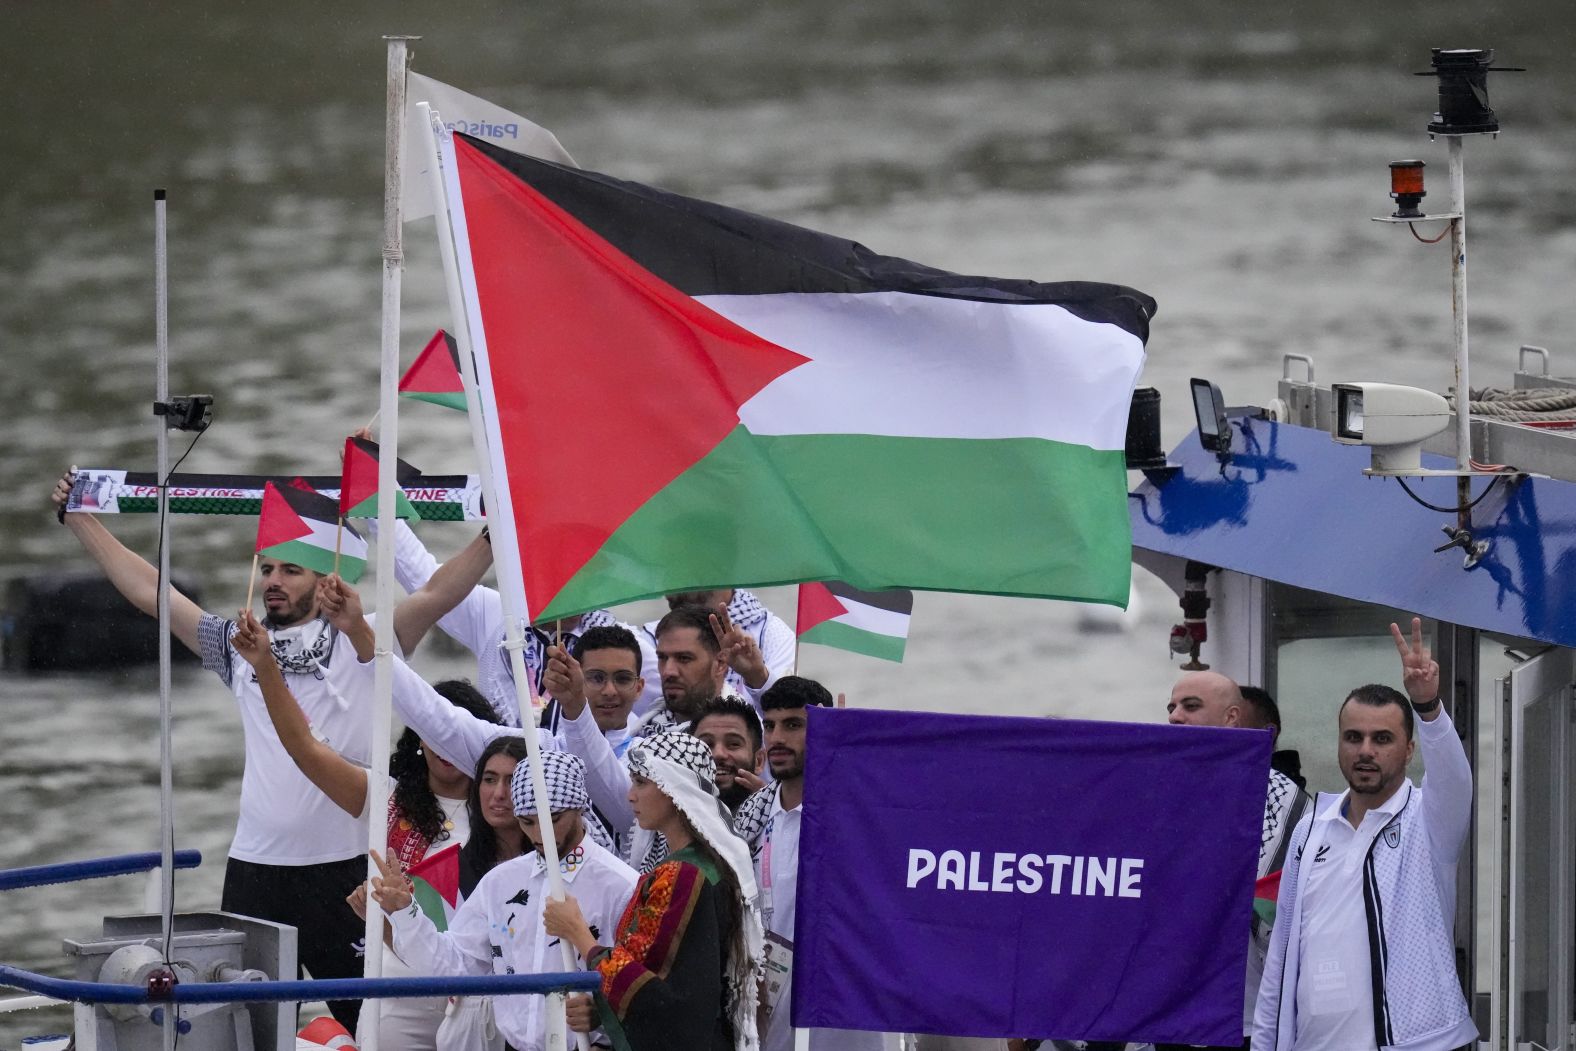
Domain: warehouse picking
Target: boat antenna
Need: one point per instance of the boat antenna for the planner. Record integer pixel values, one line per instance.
(161, 326)
(190, 413)
(1463, 110)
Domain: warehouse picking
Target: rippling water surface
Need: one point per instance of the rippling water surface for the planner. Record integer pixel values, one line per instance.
(1223, 157)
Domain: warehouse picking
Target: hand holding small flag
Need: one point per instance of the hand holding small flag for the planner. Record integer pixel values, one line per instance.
(341, 604)
(564, 681)
(251, 641)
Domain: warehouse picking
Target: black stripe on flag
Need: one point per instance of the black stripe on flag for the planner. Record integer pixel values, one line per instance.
(707, 249)
(898, 600)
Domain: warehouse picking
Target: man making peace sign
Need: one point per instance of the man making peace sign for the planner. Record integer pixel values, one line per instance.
(1362, 957)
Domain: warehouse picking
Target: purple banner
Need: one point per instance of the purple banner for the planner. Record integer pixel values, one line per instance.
(993, 877)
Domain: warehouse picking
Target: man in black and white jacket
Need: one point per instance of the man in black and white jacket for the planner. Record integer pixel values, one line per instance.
(1362, 958)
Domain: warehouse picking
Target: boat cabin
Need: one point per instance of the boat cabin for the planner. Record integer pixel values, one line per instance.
(1305, 561)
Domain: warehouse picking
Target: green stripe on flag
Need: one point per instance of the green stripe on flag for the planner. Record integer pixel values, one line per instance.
(1010, 516)
(846, 637)
(430, 902)
(448, 401)
(318, 559)
(368, 508)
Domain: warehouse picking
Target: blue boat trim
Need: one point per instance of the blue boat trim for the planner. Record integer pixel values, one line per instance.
(95, 868)
(324, 989)
(1294, 507)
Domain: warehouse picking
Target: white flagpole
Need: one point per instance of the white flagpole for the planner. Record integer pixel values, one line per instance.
(388, 450)
(471, 338)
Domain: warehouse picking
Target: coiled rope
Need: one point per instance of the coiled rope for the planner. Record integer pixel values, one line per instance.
(1536, 404)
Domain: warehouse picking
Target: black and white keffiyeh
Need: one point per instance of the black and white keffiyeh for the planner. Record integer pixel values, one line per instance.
(753, 815)
(747, 611)
(682, 767)
(1281, 811)
(566, 790)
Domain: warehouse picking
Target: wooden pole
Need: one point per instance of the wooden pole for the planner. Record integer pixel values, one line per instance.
(251, 580)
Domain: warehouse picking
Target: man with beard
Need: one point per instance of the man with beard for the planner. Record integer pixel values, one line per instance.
(740, 611)
(1362, 955)
(732, 730)
(295, 853)
(498, 929)
(769, 821)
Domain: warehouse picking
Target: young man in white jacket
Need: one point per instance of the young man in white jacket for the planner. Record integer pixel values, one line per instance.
(498, 929)
(1362, 958)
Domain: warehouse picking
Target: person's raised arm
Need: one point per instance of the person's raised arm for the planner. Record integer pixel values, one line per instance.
(341, 604)
(1447, 774)
(132, 575)
(465, 948)
(452, 584)
(333, 774)
(740, 650)
(607, 778)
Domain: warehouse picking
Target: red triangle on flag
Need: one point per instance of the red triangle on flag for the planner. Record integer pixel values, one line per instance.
(573, 325)
(358, 478)
(817, 605)
(435, 370)
(277, 521)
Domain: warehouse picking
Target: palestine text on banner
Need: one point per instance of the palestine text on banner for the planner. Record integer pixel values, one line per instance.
(100, 490)
(465, 112)
(782, 405)
(874, 623)
(994, 877)
(301, 525)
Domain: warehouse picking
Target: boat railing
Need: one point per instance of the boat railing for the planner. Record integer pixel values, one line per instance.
(64, 989)
(93, 868)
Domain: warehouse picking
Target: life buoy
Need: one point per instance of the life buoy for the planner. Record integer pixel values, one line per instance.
(325, 1032)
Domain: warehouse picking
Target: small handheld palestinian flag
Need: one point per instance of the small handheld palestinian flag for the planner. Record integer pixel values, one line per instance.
(358, 484)
(1266, 891)
(436, 885)
(435, 374)
(299, 525)
(874, 623)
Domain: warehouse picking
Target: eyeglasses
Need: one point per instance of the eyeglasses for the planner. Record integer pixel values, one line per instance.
(622, 680)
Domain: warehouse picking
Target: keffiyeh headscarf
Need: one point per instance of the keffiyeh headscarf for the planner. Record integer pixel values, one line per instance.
(682, 767)
(566, 790)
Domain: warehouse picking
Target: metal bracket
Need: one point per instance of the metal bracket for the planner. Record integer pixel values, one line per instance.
(1441, 217)
(1543, 357)
(1287, 359)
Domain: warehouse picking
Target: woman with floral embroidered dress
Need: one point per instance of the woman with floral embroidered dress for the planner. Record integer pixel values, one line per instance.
(681, 972)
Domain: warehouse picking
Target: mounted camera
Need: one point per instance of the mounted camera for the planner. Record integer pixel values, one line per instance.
(188, 413)
(1393, 420)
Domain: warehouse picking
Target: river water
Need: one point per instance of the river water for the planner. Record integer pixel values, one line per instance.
(1224, 157)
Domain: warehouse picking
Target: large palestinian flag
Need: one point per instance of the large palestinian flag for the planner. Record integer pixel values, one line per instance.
(300, 525)
(753, 403)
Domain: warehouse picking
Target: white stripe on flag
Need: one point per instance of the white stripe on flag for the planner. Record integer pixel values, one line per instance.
(474, 116)
(904, 365)
(874, 619)
(350, 545)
